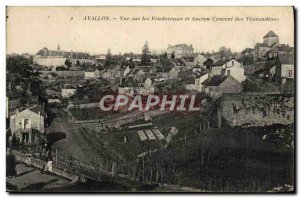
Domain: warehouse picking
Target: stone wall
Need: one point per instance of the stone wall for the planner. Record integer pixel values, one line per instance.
(64, 74)
(257, 109)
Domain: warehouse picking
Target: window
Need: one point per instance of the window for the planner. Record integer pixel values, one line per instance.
(26, 124)
(290, 73)
(228, 72)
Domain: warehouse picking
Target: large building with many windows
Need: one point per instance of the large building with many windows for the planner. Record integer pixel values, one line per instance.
(55, 58)
(180, 50)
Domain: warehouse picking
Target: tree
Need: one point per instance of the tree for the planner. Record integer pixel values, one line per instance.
(21, 73)
(68, 63)
(173, 55)
(77, 63)
(225, 52)
(145, 59)
(108, 58)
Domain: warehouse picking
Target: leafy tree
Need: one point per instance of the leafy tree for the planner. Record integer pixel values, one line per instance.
(145, 59)
(68, 63)
(225, 52)
(20, 73)
(77, 63)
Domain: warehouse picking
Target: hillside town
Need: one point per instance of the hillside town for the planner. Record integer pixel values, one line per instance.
(241, 138)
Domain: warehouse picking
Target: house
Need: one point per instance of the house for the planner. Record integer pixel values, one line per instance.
(91, 74)
(189, 61)
(180, 50)
(284, 67)
(195, 84)
(264, 68)
(137, 74)
(217, 67)
(26, 124)
(168, 73)
(131, 86)
(217, 85)
(100, 57)
(199, 60)
(68, 91)
(136, 58)
(112, 72)
(229, 68)
(208, 63)
(126, 71)
(199, 80)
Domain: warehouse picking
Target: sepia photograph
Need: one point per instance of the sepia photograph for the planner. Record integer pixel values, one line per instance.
(150, 99)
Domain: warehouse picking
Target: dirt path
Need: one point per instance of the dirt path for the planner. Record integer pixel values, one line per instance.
(74, 144)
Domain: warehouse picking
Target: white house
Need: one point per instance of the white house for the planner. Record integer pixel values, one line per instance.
(199, 80)
(24, 124)
(196, 84)
(229, 68)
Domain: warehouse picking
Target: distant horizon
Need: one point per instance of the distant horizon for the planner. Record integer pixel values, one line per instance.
(30, 29)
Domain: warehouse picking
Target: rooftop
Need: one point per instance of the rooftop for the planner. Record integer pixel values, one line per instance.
(215, 80)
(270, 34)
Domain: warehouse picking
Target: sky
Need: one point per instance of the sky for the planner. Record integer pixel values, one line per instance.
(30, 29)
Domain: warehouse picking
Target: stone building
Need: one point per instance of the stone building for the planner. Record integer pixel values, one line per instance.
(131, 86)
(27, 123)
(55, 58)
(284, 67)
(229, 68)
(271, 39)
(180, 50)
(220, 84)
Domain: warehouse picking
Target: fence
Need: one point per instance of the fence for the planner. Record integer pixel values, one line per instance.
(38, 163)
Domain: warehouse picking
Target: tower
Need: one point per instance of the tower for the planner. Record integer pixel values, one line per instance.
(58, 47)
(271, 38)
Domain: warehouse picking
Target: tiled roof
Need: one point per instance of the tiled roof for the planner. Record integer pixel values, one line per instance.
(261, 45)
(215, 80)
(131, 82)
(270, 34)
(78, 55)
(37, 109)
(219, 63)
